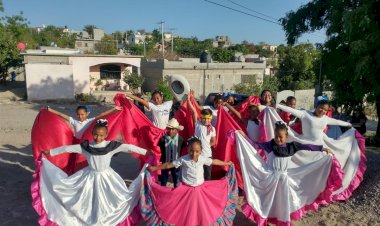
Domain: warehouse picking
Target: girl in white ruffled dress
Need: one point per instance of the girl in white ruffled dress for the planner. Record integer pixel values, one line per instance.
(95, 195)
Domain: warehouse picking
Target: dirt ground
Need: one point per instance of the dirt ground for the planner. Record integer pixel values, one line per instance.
(16, 168)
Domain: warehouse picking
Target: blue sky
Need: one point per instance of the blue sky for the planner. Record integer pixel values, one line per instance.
(189, 17)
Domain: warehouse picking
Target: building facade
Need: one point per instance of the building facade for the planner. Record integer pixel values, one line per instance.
(203, 78)
(221, 41)
(62, 76)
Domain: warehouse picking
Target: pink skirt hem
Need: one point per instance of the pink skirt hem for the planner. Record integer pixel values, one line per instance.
(37, 204)
(334, 182)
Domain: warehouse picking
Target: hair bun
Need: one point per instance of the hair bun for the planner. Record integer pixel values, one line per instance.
(102, 122)
(279, 123)
(192, 139)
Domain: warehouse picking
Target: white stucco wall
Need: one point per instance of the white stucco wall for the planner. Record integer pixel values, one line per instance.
(49, 81)
(81, 69)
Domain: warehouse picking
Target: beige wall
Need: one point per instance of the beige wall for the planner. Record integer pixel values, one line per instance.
(203, 78)
(50, 81)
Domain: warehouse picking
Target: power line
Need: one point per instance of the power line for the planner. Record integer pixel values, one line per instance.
(236, 10)
(267, 15)
(249, 14)
(252, 10)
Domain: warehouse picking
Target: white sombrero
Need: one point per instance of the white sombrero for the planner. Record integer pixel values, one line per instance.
(179, 86)
(173, 123)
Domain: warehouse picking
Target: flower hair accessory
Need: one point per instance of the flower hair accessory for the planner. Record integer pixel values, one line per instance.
(102, 122)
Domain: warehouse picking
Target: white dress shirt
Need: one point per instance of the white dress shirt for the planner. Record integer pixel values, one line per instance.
(192, 171)
(80, 127)
(201, 133)
(160, 113)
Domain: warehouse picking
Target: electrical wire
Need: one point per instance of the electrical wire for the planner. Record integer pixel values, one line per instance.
(236, 10)
(244, 7)
(249, 14)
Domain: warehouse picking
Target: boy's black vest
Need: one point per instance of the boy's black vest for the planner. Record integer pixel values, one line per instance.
(161, 144)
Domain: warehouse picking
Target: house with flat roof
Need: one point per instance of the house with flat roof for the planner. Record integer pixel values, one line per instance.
(204, 78)
(62, 75)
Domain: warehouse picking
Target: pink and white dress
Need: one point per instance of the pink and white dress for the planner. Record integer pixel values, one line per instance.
(94, 195)
(196, 203)
(348, 149)
(280, 189)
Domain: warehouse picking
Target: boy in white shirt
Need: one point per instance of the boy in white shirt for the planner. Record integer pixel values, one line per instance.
(206, 133)
(160, 110)
(192, 164)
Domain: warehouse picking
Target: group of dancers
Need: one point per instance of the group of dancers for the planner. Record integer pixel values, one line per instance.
(279, 157)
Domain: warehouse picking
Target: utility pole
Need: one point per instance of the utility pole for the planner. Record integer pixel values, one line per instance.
(144, 35)
(162, 37)
(171, 34)
(319, 87)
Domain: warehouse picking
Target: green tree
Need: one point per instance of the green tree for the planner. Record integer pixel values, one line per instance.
(156, 35)
(351, 53)
(296, 66)
(1, 6)
(135, 49)
(222, 54)
(106, 46)
(250, 46)
(9, 54)
(12, 31)
(134, 81)
(191, 47)
(90, 30)
(240, 48)
(17, 25)
(163, 86)
(55, 35)
(253, 88)
(119, 36)
(130, 32)
(262, 51)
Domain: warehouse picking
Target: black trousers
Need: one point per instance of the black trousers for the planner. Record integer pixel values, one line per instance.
(207, 172)
(165, 176)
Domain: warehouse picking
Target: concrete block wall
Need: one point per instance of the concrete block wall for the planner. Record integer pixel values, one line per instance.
(203, 78)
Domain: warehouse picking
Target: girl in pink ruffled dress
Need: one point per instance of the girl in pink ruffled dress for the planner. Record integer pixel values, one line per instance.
(195, 201)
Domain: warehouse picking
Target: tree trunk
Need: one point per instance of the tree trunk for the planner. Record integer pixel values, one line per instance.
(378, 113)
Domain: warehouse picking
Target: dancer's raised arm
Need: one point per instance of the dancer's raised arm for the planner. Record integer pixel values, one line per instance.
(138, 99)
(193, 111)
(235, 112)
(76, 148)
(295, 112)
(335, 122)
(101, 115)
(131, 148)
(60, 114)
